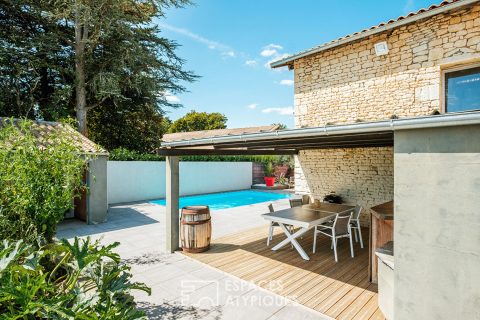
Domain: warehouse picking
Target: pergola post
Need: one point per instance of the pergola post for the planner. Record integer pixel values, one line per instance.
(172, 198)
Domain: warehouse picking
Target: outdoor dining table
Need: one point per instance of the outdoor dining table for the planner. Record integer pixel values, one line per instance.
(305, 217)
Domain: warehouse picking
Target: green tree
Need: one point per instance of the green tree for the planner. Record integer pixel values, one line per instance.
(69, 57)
(196, 121)
(141, 127)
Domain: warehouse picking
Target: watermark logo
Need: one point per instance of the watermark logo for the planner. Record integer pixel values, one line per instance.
(207, 294)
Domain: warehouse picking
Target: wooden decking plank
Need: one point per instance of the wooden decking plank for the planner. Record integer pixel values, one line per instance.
(318, 284)
(349, 297)
(351, 310)
(368, 309)
(338, 289)
(329, 286)
(323, 267)
(377, 315)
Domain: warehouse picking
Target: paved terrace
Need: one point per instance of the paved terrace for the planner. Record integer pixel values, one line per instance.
(183, 288)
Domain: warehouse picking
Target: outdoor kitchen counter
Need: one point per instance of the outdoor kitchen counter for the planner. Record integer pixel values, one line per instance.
(384, 211)
(381, 232)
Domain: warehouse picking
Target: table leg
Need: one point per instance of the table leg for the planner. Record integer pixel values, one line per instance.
(291, 238)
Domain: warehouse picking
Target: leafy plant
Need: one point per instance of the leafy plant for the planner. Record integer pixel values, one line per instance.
(39, 177)
(78, 280)
(269, 171)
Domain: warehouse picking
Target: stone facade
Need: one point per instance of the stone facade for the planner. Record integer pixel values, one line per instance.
(350, 83)
(361, 176)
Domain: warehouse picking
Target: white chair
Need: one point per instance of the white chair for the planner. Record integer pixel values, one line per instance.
(355, 224)
(273, 225)
(339, 229)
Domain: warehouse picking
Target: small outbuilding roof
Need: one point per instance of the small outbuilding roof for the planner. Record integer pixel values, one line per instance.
(181, 136)
(412, 17)
(42, 129)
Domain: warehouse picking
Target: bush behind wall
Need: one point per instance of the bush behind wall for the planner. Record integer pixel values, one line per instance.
(122, 154)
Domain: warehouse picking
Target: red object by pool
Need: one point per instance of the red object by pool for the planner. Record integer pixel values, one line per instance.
(269, 181)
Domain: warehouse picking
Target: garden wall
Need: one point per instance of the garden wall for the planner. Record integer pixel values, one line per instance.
(130, 181)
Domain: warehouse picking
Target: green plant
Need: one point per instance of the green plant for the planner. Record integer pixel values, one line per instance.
(269, 171)
(78, 280)
(39, 177)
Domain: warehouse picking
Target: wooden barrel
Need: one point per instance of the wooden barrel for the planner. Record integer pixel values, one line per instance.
(195, 229)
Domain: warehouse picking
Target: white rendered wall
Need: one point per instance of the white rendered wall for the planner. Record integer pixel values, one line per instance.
(130, 181)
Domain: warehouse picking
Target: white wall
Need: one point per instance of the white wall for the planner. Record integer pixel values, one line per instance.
(144, 180)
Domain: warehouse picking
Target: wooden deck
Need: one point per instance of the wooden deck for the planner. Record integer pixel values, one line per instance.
(340, 290)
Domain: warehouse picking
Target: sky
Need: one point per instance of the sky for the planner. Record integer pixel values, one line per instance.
(228, 43)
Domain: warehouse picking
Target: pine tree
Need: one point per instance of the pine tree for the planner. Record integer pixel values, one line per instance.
(75, 56)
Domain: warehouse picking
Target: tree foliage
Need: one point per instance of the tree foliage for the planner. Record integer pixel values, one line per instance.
(196, 121)
(37, 181)
(78, 280)
(71, 57)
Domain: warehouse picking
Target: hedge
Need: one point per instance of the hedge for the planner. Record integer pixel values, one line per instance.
(122, 154)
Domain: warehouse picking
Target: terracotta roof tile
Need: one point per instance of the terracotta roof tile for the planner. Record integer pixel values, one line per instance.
(180, 136)
(42, 129)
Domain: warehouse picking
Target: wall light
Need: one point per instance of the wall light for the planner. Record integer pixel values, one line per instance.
(381, 48)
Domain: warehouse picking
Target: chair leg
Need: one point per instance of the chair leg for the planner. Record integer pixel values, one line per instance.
(360, 236)
(355, 232)
(270, 234)
(331, 244)
(314, 239)
(335, 249)
(351, 242)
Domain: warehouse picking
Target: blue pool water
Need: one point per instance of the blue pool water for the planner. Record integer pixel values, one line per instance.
(225, 200)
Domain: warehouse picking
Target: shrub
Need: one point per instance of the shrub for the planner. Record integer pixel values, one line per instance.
(39, 177)
(79, 280)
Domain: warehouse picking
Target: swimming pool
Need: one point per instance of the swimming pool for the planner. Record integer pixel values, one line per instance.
(225, 200)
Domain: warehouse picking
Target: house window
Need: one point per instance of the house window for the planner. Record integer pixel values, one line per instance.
(462, 90)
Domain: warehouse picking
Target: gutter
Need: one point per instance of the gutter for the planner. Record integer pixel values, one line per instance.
(446, 120)
(335, 43)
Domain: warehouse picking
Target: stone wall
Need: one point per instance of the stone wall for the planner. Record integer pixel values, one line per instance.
(361, 176)
(351, 84)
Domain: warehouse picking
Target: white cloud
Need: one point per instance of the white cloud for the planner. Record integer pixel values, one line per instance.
(172, 98)
(211, 44)
(270, 50)
(229, 53)
(285, 111)
(251, 63)
(286, 82)
(252, 106)
(276, 58)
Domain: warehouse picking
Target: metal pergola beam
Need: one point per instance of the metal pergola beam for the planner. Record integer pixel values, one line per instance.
(224, 152)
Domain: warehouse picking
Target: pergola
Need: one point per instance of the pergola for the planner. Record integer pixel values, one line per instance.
(362, 134)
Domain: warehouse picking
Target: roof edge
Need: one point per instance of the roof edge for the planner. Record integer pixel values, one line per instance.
(452, 119)
(361, 35)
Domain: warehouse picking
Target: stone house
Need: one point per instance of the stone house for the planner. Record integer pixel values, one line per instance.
(346, 81)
